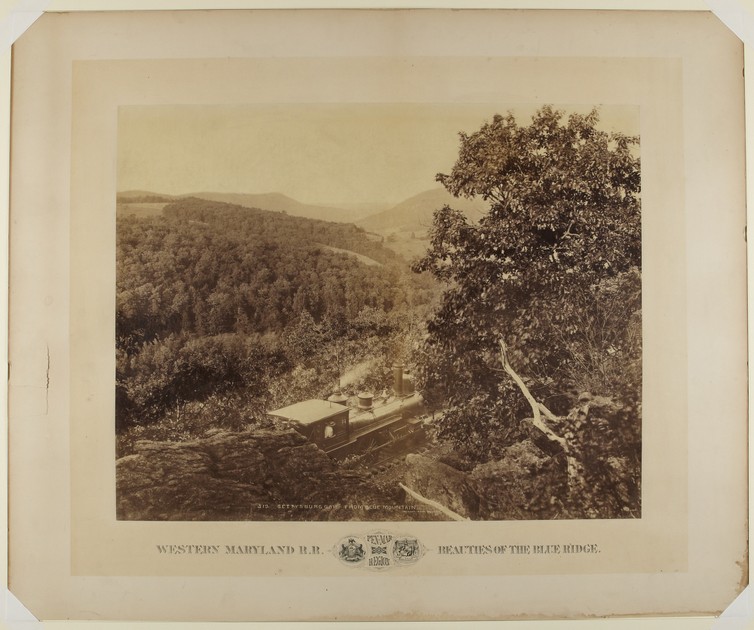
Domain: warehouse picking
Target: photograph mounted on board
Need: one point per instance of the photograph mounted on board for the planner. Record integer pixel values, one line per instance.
(385, 304)
(378, 312)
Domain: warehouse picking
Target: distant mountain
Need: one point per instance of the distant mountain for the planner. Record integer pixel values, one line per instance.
(415, 213)
(412, 215)
(360, 210)
(277, 202)
(143, 196)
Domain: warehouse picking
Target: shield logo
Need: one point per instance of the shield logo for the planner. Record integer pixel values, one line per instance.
(351, 551)
(406, 550)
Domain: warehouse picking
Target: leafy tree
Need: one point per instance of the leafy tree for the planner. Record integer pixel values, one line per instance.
(179, 368)
(551, 269)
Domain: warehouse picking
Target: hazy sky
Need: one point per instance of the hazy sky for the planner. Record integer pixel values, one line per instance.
(320, 153)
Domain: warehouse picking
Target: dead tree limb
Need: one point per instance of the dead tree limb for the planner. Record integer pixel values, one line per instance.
(434, 504)
(536, 408)
(548, 414)
(573, 466)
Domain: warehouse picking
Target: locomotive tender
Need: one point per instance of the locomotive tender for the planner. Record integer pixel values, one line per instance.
(341, 429)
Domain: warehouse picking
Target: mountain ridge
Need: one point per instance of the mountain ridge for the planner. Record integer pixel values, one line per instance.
(280, 202)
(416, 213)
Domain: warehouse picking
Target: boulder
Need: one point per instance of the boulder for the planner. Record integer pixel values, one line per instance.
(524, 483)
(219, 478)
(439, 482)
(226, 475)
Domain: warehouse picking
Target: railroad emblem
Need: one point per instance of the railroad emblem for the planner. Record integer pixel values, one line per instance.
(379, 550)
(351, 551)
(406, 550)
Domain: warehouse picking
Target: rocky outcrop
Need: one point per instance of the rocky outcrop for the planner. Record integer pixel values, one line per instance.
(259, 475)
(523, 483)
(441, 483)
(221, 477)
(279, 475)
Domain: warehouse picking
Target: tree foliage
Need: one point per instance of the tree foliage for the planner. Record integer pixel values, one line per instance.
(553, 269)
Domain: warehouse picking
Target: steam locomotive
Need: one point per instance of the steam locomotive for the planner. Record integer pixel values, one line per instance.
(343, 427)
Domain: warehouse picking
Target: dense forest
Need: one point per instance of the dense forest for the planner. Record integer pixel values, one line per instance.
(241, 307)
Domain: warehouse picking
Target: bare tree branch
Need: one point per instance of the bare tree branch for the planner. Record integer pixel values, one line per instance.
(535, 406)
(434, 504)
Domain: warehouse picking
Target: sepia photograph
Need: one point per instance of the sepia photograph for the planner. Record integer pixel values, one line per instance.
(378, 312)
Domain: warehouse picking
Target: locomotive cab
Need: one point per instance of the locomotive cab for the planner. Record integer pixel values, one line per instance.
(323, 422)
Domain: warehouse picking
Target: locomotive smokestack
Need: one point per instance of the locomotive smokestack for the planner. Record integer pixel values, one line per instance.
(338, 397)
(398, 379)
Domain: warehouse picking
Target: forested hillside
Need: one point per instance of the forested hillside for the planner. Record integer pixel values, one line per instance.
(214, 298)
(282, 203)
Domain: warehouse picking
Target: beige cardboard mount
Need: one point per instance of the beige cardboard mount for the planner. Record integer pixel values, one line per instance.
(70, 558)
